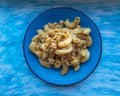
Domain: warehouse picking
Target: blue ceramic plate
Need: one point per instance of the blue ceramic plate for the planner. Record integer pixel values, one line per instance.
(53, 75)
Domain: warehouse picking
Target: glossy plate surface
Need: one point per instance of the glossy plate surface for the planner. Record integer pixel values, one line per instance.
(53, 75)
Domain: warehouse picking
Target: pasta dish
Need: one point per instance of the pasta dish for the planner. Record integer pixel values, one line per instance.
(62, 45)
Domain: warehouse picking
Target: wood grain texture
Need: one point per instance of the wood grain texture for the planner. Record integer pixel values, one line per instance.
(15, 77)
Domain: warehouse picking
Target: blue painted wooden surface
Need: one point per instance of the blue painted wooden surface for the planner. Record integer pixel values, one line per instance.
(16, 79)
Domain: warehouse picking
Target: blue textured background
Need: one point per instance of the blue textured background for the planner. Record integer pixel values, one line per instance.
(16, 79)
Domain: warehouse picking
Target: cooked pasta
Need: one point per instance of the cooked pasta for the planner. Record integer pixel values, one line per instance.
(62, 45)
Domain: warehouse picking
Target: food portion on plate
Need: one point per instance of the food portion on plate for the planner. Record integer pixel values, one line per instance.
(62, 45)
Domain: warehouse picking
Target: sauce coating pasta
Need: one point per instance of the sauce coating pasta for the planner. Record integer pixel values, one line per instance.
(62, 45)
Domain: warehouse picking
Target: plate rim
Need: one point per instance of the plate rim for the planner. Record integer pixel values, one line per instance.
(29, 28)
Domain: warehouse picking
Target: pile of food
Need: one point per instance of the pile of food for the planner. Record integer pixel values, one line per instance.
(62, 45)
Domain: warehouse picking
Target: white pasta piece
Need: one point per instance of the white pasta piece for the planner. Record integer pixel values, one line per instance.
(48, 41)
(82, 44)
(73, 35)
(58, 38)
(38, 46)
(58, 27)
(75, 62)
(57, 64)
(43, 47)
(61, 23)
(77, 20)
(54, 24)
(39, 54)
(88, 41)
(64, 69)
(44, 55)
(57, 30)
(69, 24)
(72, 24)
(78, 26)
(68, 63)
(65, 33)
(86, 57)
(77, 67)
(78, 30)
(64, 51)
(53, 46)
(62, 32)
(44, 63)
(40, 31)
(65, 42)
(75, 40)
(86, 31)
(35, 38)
(50, 25)
(46, 27)
(50, 32)
(33, 47)
(51, 61)
(83, 52)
